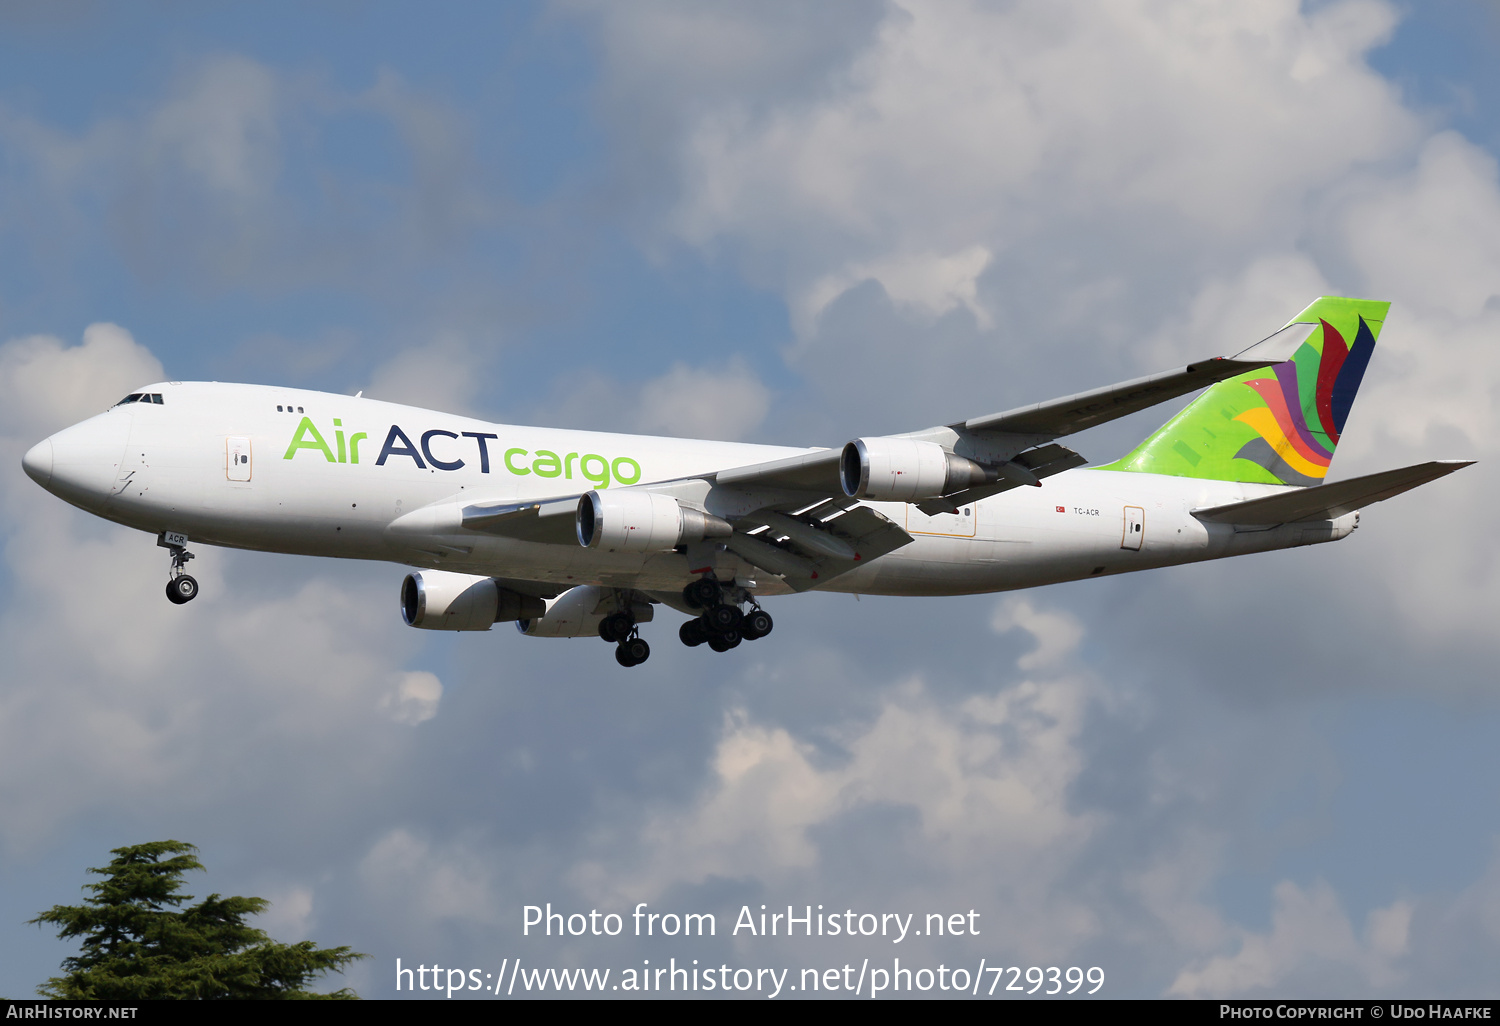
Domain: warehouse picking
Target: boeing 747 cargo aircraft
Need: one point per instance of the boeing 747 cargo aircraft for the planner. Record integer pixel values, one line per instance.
(578, 533)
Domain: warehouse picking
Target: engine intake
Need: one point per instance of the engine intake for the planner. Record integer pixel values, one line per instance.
(639, 521)
(906, 469)
(439, 600)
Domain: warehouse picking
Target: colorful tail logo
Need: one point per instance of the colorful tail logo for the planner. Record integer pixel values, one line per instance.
(1278, 425)
(1293, 452)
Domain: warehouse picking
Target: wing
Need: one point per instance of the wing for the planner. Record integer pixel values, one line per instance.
(549, 521)
(807, 548)
(998, 438)
(794, 517)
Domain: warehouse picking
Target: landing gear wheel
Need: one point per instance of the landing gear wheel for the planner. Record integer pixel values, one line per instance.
(724, 642)
(702, 593)
(616, 627)
(722, 619)
(757, 624)
(692, 634)
(182, 588)
(632, 652)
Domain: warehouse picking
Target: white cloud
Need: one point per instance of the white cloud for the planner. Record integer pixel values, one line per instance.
(45, 384)
(969, 129)
(687, 401)
(290, 916)
(415, 698)
(985, 779)
(221, 127)
(1311, 948)
(932, 284)
(442, 374)
(431, 882)
(696, 402)
(1057, 634)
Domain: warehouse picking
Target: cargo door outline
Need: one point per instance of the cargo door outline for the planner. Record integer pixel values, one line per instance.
(1134, 533)
(963, 524)
(237, 462)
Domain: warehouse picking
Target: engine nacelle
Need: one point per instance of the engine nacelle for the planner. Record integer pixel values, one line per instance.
(905, 469)
(439, 600)
(576, 614)
(639, 521)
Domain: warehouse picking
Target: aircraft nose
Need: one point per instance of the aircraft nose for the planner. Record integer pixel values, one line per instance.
(79, 464)
(38, 462)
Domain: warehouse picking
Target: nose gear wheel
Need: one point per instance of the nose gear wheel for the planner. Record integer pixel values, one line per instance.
(181, 586)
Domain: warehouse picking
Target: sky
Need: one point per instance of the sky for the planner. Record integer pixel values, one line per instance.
(787, 223)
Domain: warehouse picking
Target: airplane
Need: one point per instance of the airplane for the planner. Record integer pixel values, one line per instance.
(582, 534)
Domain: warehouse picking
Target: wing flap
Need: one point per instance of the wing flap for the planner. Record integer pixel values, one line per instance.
(1326, 502)
(867, 533)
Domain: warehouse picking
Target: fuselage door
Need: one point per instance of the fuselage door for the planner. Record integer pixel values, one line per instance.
(1135, 528)
(237, 464)
(963, 524)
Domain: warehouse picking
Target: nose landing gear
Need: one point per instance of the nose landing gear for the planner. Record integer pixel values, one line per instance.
(181, 586)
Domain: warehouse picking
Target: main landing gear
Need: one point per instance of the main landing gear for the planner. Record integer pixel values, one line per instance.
(723, 625)
(630, 648)
(181, 587)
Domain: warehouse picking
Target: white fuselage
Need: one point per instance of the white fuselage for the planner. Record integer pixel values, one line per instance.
(221, 464)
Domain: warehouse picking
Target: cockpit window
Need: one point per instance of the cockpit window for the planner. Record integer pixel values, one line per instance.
(156, 398)
(142, 397)
(133, 397)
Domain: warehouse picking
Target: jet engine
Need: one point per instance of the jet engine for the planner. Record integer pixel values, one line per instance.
(641, 521)
(439, 600)
(576, 614)
(905, 469)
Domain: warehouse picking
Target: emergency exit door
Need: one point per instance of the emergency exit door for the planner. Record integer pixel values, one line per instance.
(1135, 528)
(237, 464)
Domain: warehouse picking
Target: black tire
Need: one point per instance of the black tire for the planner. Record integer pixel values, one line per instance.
(705, 593)
(758, 624)
(722, 619)
(724, 642)
(616, 627)
(636, 650)
(622, 657)
(691, 634)
(182, 589)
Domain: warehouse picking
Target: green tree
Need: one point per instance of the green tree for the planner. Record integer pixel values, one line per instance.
(140, 945)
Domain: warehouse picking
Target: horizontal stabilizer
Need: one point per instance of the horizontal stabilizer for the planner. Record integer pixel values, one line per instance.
(1327, 502)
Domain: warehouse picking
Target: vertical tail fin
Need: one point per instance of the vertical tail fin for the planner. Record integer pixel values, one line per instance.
(1277, 425)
